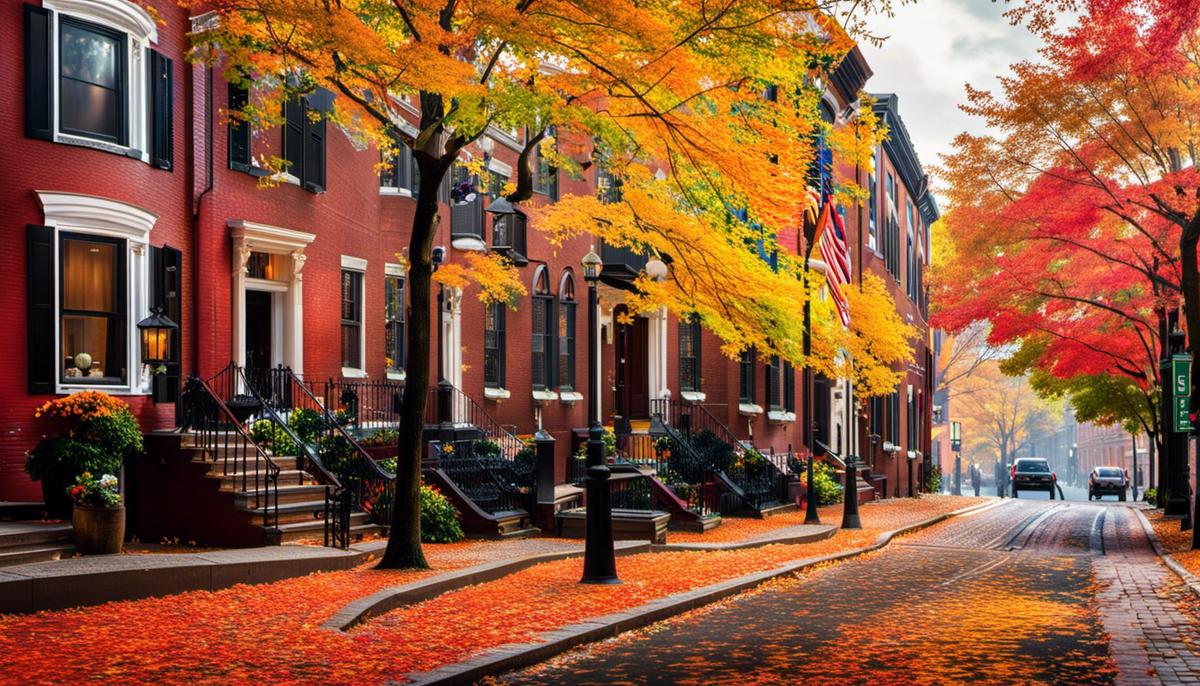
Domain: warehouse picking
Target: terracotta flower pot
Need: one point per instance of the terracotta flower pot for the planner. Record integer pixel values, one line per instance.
(99, 530)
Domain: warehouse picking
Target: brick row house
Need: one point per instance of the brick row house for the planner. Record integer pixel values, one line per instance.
(129, 191)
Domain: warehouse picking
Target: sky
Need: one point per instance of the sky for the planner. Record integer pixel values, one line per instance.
(933, 48)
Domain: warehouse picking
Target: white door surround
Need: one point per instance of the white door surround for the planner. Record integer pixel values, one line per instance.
(288, 299)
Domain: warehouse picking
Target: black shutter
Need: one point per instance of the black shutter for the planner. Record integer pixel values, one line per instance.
(313, 176)
(39, 270)
(239, 130)
(167, 265)
(39, 119)
(162, 96)
(294, 136)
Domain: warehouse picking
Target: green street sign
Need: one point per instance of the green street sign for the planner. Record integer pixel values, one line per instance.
(1180, 391)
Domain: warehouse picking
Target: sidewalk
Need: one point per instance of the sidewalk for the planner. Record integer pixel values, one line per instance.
(273, 632)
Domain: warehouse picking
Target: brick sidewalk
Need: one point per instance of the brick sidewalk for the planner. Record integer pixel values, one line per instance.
(1154, 630)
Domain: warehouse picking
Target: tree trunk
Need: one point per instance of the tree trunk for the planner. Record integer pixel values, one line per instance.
(404, 543)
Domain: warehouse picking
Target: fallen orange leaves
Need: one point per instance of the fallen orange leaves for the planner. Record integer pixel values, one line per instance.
(1177, 543)
(272, 634)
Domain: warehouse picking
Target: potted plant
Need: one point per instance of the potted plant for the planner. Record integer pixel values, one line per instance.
(94, 432)
(99, 516)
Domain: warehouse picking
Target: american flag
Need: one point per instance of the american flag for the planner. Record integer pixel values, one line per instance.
(835, 251)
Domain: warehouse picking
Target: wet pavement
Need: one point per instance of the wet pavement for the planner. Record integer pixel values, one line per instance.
(1032, 591)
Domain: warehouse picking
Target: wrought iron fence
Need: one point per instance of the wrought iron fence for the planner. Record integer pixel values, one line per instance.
(495, 483)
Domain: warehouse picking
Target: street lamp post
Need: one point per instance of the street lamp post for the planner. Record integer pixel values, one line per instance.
(444, 388)
(810, 494)
(850, 519)
(956, 446)
(599, 557)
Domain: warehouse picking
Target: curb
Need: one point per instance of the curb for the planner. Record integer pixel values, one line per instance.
(516, 655)
(828, 531)
(1189, 579)
(391, 598)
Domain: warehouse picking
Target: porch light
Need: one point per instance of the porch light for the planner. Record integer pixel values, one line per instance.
(156, 337)
(500, 207)
(591, 266)
(656, 269)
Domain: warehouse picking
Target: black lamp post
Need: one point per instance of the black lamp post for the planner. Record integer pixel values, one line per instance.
(599, 556)
(444, 387)
(810, 493)
(850, 519)
(956, 446)
(156, 338)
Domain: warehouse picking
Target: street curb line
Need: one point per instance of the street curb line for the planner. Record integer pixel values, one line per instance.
(516, 655)
(1189, 579)
(828, 532)
(390, 598)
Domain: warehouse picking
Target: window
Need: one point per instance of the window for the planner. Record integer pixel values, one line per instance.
(545, 176)
(746, 377)
(893, 434)
(239, 130)
(394, 331)
(566, 333)
(401, 174)
(92, 79)
(543, 332)
(608, 186)
(891, 190)
(872, 201)
(493, 345)
(781, 385)
(689, 354)
(92, 309)
(352, 321)
(304, 140)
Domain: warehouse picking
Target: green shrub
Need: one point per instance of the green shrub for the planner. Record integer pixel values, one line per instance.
(935, 479)
(439, 519)
(381, 437)
(1150, 495)
(829, 489)
(338, 455)
(486, 447)
(714, 452)
(266, 433)
(306, 424)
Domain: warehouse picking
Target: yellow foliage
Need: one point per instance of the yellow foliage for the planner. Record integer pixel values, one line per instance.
(497, 278)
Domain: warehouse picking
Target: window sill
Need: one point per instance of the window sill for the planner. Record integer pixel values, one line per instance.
(395, 191)
(693, 396)
(102, 146)
(68, 389)
(914, 454)
(544, 395)
(749, 409)
(494, 393)
(781, 417)
(570, 397)
(353, 373)
(394, 375)
(285, 177)
(469, 244)
(889, 447)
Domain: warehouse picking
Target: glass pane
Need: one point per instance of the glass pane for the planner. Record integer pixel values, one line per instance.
(89, 56)
(350, 346)
(90, 109)
(92, 350)
(89, 276)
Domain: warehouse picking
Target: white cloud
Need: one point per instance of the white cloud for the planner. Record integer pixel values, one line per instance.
(934, 48)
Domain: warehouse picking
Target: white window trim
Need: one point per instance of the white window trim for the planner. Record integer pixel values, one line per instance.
(141, 31)
(97, 216)
(358, 264)
(248, 237)
(394, 190)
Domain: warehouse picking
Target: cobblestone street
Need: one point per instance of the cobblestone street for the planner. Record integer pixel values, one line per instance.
(1030, 591)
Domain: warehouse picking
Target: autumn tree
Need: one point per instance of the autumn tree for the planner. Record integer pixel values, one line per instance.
(668, 96)
(1073, 224)
(1000, 414)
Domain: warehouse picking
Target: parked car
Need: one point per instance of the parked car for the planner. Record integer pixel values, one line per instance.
(1108, 481)
(1032, 474)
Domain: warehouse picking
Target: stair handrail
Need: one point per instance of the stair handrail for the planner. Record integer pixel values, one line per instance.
(510, 444)
(336, 534)
(367, 469)
(265, 498)
(830, 452)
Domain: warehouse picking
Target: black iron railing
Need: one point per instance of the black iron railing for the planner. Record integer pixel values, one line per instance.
(261, 394)
(370, 404)
(372, 488)
(673, 462)
(754, 478)
(495, 483)
(223, 438)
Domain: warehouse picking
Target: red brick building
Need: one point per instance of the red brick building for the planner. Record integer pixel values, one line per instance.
(128, 189)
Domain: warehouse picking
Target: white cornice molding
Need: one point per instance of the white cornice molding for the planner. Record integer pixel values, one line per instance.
(267, 238)
(120, 14)
(114, 217)
(357, 264)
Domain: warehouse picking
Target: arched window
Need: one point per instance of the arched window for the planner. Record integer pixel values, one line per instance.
(566, 332)
(542, 373)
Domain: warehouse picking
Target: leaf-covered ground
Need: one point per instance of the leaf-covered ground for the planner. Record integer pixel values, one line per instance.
(272, 633)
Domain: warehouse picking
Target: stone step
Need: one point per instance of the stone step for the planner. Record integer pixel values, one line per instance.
(305, 511)
(287, 494)
(217, 467)
(298, 532)
(233, 481)
(17, 534)
(40, 552)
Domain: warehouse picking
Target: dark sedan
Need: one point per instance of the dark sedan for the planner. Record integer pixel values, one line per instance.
(1032, 474)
